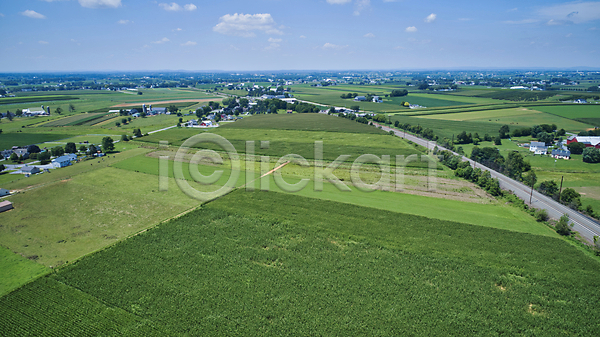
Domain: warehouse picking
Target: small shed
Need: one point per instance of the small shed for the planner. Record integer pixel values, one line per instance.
(4, 192)
(5, 206)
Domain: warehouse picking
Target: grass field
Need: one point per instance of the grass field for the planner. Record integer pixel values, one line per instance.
(17, 270)
(305, 266)
(91, 212)
(517, 117)
(490, 214)
(303, 122)
(283, 142)
(8, 140)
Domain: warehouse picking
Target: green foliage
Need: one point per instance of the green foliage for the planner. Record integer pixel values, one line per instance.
(591, 155)
(563, 227)
(124, 138)
(14, 157)
(498, 141)
(549, 188)
(504, 130)
(137, 133)
(515, 165)
(571, 198)
(518, 95)
(107, 144)
(399, 93)
(57, 151)
(70, 148)
(2, 167)
(541, 215)
(576, 147)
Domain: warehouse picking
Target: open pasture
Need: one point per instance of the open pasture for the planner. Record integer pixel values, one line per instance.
(479, 212)
(286, 263)
(92, 211)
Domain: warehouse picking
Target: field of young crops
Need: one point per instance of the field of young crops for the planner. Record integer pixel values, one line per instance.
(303, 122)
(266, 263)
(78, 119)
(8, 140)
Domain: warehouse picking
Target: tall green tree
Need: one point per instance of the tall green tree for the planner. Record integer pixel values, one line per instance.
(504, 130)
(71, 107)
(591, 155)
(70, 148)
(107, 144)
(58, 110)
(57, 151)
(576, 147)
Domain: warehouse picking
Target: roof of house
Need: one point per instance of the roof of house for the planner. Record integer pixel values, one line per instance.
(561, 152)
(588, 140)
(63, 158)
(538, 144)
(29, 168)
(5, 203)
(3, 190)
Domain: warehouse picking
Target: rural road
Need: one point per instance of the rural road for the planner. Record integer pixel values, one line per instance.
(587, 227)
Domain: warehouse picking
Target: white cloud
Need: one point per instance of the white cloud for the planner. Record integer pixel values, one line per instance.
(361, 5)
(43, 42)
(161, 41)
(189, 43)
(593, 28)
(333, 46)
(338, 2)
(246, 24)
(177, 29)
(302, 37)
(1, 15)
(553, 22)
(173, 7)
(430, 18)
(521, 22)
(33, 14)
(465, 19)
(572, 12)
(124, 22)
(100, 3)
(411, 29)
(569, 35)
(190, 7)
(272, 40)
(369, 35)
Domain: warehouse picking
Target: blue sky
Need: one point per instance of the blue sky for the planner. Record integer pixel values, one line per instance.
(105, 35)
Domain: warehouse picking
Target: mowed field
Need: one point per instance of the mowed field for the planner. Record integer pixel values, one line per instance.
(516, 117)
(265, 262)
(330, 95)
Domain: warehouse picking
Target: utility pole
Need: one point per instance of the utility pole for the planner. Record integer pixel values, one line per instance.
(531, 193)
(560, 191)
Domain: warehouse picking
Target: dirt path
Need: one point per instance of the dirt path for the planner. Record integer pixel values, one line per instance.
(199, 100)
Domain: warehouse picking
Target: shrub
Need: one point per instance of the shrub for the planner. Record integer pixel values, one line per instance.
(541, 215)
(563, 227)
